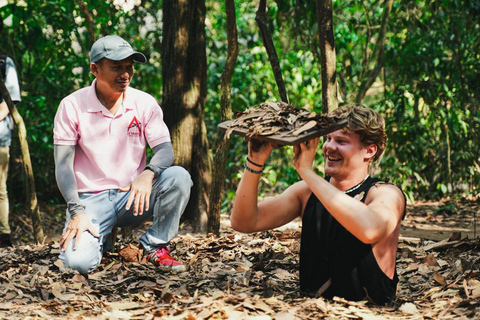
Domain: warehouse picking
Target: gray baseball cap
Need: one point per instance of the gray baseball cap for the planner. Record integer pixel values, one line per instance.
(114, 48)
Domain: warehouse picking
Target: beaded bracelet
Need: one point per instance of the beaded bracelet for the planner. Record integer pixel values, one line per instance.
(255, 164)
(251, 170)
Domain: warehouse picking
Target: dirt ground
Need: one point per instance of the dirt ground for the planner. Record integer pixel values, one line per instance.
(438, 220)
(238, 276)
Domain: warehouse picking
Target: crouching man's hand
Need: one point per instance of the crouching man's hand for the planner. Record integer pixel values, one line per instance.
(76, 227)
(140, 191)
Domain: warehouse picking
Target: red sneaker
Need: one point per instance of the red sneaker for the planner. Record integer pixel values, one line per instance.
(161, 258)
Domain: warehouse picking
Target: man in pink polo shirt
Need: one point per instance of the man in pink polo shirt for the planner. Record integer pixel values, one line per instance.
(100, 136)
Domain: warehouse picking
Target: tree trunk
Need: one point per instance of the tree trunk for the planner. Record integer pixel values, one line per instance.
(216, 193)
(88, 20)
(184, 71)
(30, 192)
(261, 19)
(375, 62)
(328, 55)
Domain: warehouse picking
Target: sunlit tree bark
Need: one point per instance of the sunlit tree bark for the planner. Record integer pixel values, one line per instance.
(184, 71)
(226, 113)
(328, 55)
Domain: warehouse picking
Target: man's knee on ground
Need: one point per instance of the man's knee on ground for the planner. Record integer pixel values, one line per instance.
(80, 262)
(87, 256)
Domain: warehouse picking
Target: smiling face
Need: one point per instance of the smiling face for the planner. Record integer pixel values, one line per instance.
(346, 156)
(113, 77)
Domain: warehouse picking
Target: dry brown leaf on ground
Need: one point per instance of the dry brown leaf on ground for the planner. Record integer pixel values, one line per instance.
(131, 253)
(236, 276)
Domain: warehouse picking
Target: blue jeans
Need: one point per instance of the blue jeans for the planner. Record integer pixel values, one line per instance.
(106, 209)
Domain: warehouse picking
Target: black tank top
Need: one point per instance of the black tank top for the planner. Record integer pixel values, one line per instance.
(329, 252)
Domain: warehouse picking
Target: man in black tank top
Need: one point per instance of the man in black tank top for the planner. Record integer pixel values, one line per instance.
(351, 222)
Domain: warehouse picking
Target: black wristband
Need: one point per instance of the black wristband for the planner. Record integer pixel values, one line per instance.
(251, 170)
(255, 164)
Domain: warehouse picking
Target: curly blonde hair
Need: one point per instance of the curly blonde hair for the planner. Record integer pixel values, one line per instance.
(365, 122)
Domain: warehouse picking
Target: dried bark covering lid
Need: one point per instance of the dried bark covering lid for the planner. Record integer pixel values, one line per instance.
(280, 121)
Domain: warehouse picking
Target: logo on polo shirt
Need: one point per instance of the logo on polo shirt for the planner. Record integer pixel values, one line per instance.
(134, 128)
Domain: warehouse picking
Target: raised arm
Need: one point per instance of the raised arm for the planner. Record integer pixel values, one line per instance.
(371, 221)
(248, 215)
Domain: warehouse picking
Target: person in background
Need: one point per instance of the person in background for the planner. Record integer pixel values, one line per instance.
(100, 141)
(350, 221)
(10, 78)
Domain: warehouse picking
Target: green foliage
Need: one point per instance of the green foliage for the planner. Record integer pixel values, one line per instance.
(253, 83)
(428, 92)
(433, 95)
(41, 50)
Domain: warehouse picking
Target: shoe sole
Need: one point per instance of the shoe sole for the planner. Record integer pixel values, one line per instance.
(176, 269)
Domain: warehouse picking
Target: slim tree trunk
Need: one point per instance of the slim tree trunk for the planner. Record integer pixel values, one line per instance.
(376, 61)
(88, 20)
(30, 192)
(328, 55)
(261, 19)
(184, 70)
(216, 194)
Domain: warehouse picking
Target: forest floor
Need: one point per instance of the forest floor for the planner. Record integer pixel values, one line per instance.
(239, 276)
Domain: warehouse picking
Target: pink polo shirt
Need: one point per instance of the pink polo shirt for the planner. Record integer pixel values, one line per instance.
(110, 149)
